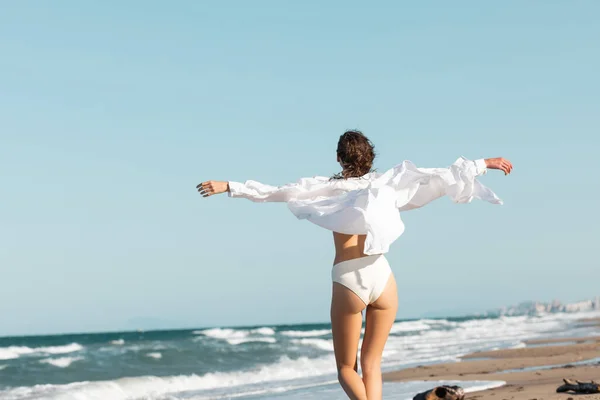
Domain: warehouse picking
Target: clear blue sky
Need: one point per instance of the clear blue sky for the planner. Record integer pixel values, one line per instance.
(111, 112)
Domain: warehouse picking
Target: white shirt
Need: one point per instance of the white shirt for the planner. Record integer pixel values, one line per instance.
(370, 205)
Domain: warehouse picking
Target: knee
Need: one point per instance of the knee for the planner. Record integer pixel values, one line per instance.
(343, 371)
(370, 365)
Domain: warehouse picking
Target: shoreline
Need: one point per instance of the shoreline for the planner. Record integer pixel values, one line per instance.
(531, 372)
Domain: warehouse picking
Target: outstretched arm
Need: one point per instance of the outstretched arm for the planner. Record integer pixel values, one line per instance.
(458, 182)
(260, 192)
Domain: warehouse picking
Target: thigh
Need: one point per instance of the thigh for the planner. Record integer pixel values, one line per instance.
(380, 317)
(346, 324)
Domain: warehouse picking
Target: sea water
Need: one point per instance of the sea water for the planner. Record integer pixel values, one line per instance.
(265, 362)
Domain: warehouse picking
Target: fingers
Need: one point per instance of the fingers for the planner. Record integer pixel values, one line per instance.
(504, 165)
(205, 189)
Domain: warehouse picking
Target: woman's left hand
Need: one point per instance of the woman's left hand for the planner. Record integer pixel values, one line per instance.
(209, 188)
(500, 163)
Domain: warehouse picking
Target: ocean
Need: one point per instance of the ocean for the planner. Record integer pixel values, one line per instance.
(263, 362)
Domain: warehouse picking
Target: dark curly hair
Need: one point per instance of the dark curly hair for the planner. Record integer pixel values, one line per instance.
(356, 154)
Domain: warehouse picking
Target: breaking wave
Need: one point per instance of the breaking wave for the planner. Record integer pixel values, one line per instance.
(62, 362)
(12, 352)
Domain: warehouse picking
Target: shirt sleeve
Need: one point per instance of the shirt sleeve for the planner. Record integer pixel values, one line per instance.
(458, 182)
(305, 188)
(480, 167)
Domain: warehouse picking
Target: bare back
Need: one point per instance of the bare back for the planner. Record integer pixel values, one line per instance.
(348, 247)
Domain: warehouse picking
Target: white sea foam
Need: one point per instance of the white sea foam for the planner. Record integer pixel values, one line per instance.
(151, 387)
(392, 390)
(238, 336)
(248, 340)
(69, 348)
(228, 333)
(224, 333)
(118, 342)
(388, 353)
(322, 344)
(317, 332)
(156, 355)
(443, 322)
(2, 367)
(409, 326)
(519, 345)
(61, 362)
(481, 385)
(8, 353)
(263, 331)
(12, 352)
(470, 336)
(128, 347)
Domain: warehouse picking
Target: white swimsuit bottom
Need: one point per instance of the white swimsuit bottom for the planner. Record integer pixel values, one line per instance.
(365, 276)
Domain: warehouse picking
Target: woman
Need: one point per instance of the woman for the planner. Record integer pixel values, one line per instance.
(362, 207)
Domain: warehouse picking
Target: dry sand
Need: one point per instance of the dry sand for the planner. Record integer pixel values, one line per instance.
(554, 356)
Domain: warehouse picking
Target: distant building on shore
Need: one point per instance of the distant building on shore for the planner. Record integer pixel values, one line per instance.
(555, 306)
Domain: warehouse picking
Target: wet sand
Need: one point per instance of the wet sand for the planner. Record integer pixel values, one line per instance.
(530, 372)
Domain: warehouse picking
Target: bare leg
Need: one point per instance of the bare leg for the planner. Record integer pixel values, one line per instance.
(346, 322)
(379, 320)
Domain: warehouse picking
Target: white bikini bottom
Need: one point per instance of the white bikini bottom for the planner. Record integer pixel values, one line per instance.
(365, 276)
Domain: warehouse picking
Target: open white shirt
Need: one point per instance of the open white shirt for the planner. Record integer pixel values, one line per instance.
(370, 205)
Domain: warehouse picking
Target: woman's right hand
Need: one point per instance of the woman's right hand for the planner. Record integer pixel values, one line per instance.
(499, 163)
(209, 188)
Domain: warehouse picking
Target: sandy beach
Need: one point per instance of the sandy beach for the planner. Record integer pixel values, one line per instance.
(532, 372)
